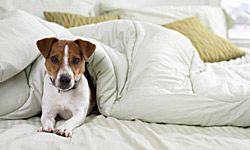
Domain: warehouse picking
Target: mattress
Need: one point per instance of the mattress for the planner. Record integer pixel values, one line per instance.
(101, 132)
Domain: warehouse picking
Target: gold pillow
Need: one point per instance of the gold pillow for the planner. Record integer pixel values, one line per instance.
(211, 47)
(69, 20)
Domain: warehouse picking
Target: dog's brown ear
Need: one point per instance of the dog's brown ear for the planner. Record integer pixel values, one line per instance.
(45, 45)
(87, 48)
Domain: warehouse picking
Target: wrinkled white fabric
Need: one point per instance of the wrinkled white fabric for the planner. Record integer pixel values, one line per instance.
(100, 132)
(163, 78)
(21, 71)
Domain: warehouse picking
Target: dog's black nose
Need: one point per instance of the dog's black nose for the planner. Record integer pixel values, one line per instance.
(64, 81)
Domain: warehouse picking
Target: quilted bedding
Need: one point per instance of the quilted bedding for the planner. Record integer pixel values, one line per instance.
(159, 77)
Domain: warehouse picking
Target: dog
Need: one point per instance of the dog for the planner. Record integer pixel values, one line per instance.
(67, 92)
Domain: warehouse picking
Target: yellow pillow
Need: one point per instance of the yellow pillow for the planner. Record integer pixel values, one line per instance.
(211, 47)
(69, 20)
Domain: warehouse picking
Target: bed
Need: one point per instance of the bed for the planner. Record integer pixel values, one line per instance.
(178, 107)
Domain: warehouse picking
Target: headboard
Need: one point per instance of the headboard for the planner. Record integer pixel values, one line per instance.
(163, 2)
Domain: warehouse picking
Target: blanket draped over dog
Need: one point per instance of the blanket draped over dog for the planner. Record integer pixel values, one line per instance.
(140, 70)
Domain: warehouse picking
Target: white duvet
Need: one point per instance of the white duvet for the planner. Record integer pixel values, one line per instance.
(159, 77)
(141, 71)
(225, 81)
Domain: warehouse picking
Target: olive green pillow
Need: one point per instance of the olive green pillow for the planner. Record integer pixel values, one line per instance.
(211, 47)
(69, 20)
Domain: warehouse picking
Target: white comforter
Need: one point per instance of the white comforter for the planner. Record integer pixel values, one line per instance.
(157, 75)
(224, 81)
(141, 71)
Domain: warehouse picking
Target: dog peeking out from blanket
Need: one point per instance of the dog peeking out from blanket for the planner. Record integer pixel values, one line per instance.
(67, 92)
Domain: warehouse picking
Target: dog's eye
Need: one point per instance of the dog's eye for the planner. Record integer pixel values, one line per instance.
(54, 60)
(76, 61)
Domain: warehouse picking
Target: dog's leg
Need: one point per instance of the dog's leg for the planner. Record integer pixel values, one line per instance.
(75, 121)
(48, 122)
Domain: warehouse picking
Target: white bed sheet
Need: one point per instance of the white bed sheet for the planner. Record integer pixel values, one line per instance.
(104, 133)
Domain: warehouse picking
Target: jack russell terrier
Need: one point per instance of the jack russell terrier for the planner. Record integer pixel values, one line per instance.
(67, 92)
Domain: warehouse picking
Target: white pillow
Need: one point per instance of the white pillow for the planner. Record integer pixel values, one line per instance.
(212, 17)
(148, 3)
(36, 7)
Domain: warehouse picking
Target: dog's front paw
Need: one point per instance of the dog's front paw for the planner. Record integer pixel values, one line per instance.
(45, 129)
(62, 131)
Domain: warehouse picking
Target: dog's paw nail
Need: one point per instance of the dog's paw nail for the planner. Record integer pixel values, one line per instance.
(50, 130)
(42, 129)
(69, 134)
(63, 132)
(57, 131)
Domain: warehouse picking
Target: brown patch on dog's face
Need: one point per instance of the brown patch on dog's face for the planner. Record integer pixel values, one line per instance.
(55, 60)
(48, 49)
(81, 51)
(76, 60)
(65, 59)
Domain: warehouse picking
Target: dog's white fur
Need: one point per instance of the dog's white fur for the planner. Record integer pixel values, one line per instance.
(72, 105)
(66, 68)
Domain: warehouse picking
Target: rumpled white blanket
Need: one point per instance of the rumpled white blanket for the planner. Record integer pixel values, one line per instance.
(158, 76)
(141, 71)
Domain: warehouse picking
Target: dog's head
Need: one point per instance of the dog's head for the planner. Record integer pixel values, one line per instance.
(65, 60)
